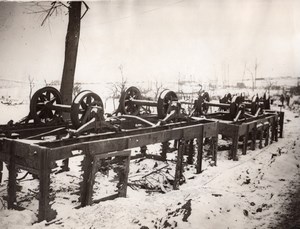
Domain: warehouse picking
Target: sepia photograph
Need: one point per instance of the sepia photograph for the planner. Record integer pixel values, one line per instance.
(150, 114)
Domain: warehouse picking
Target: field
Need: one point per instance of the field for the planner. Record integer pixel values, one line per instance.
(253, 192)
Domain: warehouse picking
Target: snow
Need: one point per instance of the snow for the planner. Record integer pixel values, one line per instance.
(248, 193)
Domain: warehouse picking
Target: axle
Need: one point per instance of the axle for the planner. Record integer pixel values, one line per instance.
(131, 102)
(143, 102)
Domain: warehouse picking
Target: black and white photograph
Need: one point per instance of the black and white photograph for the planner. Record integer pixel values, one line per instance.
(150, 114)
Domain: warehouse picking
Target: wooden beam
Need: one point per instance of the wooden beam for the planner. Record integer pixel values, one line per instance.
(45, 211)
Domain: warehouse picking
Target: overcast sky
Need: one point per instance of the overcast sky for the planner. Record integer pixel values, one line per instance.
(155, 39)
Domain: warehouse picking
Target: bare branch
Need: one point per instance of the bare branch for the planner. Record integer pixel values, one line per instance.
(86, 9)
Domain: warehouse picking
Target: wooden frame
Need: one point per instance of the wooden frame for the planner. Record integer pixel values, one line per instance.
(262, 126)
(39, 157)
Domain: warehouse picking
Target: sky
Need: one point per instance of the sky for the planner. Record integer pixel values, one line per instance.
(205, 40)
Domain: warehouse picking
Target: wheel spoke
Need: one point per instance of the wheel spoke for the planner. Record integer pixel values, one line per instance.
(42, 114)
(88, 100)
(42, 98)
(39, 106)
(52, 100)
(48, 94)
(83, 105)
(50, 114)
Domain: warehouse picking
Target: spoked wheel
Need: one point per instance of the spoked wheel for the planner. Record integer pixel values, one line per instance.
(266, 101)
(206, 99)
(126, 105)
(254, 104)
(164, 101)
(234, 105)
(84, 106)
(41, 103)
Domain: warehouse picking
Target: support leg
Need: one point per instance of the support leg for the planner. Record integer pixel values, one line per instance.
(45, 211)
(200, 152)
(215, 148)
(179, 165)
(12, 173)
(65, 165)
(164, 150)
(190, 152)
(276, 130)
(143, 151)
(245, 141)
(261, 133)
(273, 124)
(1, 171)
(253, 140)
(123, 179)
(86, 186)
(234, 148)
(281, 121)
(267, 134)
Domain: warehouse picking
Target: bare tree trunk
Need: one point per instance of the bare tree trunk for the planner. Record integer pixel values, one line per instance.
(71, 48)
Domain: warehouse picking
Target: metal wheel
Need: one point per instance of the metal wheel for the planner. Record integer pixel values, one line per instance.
(234, 105)
(164, 101)
(84, 106)
(126, 105)
(206, 99)
(40, 105)
(266, 101)
(254, 104)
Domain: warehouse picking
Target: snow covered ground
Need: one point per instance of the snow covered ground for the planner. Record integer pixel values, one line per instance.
(248, 193)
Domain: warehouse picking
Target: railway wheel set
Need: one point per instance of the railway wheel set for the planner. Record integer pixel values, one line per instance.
(46, 136)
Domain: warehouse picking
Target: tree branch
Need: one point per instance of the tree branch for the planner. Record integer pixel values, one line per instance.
(86, 9)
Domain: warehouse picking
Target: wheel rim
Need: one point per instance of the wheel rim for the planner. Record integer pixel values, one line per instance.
(126, 105)
(81, 108)
(164, 100)
(40, 110)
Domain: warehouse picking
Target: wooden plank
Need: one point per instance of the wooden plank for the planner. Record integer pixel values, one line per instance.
(209, 130)
(125, 153)
(60, 151)
(24, 148)
(243, 129)
(227, 129)
(124, 133)
(127, 142)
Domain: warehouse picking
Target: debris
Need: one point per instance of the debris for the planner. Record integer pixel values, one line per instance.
(216, 195)
(144, 227)
(245, 212)
(155, 171)
(247, 181)
(259, 210)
